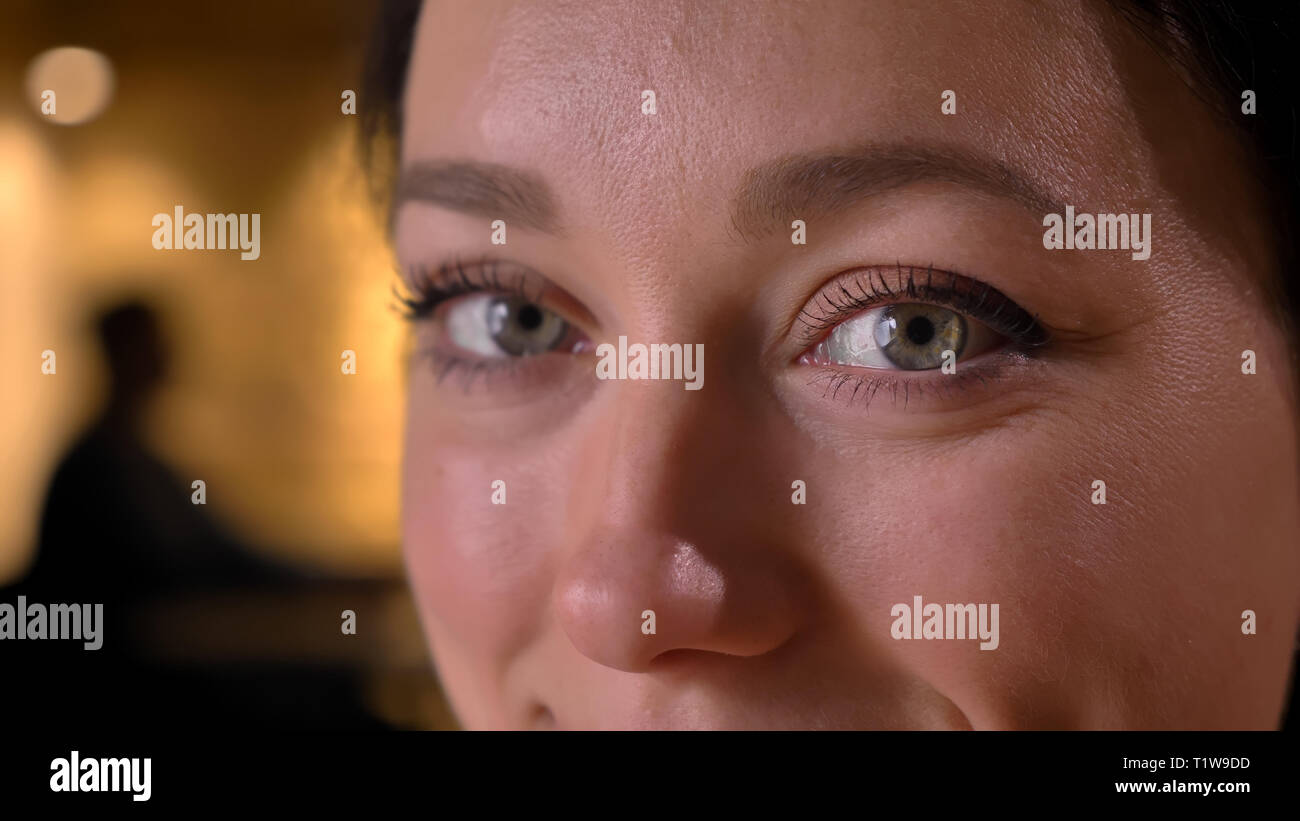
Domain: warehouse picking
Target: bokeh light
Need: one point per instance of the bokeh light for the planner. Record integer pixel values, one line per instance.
(81, 82)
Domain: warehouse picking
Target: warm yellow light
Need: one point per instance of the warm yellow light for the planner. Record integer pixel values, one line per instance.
(32, 416)
(70, 85)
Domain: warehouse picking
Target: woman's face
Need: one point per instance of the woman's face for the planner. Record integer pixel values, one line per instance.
(821, 378)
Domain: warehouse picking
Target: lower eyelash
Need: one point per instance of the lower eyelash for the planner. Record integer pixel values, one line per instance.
(467, 369)
(864, 385)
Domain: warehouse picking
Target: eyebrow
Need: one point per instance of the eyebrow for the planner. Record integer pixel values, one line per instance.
(809, 185)
(482, 189)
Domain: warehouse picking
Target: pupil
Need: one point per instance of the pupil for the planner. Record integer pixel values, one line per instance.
(530, 317)
(920, 330)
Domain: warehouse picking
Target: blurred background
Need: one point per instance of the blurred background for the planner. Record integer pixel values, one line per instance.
(172, 366)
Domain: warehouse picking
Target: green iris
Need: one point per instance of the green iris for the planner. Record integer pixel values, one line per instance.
(523, 328)
(913, 336)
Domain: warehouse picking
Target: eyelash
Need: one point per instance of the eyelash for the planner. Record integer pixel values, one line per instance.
(452, 279)
(962, 294)
(976, 299)
(431, 287)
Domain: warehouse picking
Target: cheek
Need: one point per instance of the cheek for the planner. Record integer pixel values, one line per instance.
(1109, 615)
(957, 525)
(478, 568)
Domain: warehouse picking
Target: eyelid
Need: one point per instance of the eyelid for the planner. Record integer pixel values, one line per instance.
(428, 287)
(862, 288)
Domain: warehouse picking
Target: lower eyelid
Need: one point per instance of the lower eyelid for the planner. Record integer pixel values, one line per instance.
(464, 372)
(984, 376)
(475, 391)
(904, 393)
(470, 372)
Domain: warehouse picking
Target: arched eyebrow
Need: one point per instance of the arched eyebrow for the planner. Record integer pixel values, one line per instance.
(803, 186)
(482, 189)
(770, 195)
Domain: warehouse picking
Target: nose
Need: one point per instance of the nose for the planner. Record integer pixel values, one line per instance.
(687, 548)
(627, 599)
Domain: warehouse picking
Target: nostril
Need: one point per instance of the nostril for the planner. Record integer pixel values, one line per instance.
(542, 718)
(681, 658)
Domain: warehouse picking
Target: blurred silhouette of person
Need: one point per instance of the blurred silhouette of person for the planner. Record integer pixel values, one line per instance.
(116, 514)
(119, 527)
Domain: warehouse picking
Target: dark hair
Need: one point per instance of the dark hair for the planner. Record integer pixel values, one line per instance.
(388, 56)
(1219, 49)
(1222, 50)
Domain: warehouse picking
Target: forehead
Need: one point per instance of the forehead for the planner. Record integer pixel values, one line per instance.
(557, 87)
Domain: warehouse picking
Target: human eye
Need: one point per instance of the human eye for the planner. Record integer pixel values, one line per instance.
(495, 326)
(880, 326)
(488, 318)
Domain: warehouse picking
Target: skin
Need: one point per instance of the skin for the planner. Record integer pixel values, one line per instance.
(629, 495)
